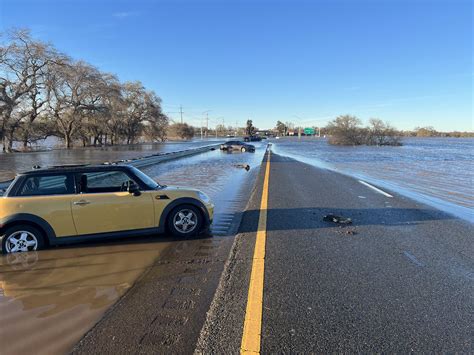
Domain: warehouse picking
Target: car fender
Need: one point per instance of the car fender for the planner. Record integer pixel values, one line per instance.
(28, 218)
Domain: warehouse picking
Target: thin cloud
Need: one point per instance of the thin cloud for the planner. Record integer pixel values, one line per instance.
(124, 14)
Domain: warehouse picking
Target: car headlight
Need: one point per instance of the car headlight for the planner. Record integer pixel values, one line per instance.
(203, 197)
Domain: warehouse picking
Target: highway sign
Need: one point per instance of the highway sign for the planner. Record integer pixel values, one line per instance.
(309, 131)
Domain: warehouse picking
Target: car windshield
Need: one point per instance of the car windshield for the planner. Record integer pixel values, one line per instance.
(152, 184)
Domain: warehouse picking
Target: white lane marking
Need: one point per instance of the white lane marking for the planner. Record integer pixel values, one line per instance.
(375, 189)
(361, 197)
(413, 259)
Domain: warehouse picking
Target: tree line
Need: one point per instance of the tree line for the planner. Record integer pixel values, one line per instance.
(348, 130)
(44, 92)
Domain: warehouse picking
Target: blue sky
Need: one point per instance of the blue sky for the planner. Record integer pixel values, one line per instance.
(407, 62)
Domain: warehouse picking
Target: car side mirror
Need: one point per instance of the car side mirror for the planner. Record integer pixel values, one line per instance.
(133, 188)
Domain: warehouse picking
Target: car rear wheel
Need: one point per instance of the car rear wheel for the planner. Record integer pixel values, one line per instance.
(22, 238)
(185, 220)
(243, 150)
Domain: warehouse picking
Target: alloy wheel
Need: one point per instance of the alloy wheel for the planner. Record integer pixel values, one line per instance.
(185, 221)
(21, 241)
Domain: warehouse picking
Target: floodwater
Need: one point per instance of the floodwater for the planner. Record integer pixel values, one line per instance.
(10, 164)
(436, 171)
(49, 299)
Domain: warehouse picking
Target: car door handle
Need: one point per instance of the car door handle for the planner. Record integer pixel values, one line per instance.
(81, 202)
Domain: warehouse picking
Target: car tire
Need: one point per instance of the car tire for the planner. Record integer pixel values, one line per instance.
(243, 150)
(22, 238)
(185, 221)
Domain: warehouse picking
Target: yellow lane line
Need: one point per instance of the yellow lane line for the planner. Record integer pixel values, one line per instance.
(253, 315)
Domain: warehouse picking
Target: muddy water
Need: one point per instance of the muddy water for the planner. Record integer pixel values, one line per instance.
(50, 298)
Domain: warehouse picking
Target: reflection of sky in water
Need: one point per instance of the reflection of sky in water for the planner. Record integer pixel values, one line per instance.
(442, 168)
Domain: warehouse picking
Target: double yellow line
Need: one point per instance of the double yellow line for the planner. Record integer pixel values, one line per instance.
(251, 337)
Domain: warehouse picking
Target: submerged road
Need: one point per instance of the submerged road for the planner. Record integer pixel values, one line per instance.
(272, 277)
(400, 278)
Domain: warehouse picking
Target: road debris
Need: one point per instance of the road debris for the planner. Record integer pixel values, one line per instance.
(336, 219)
(243, 166)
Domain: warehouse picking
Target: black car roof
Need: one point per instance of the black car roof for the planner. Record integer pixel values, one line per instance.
(76, 169)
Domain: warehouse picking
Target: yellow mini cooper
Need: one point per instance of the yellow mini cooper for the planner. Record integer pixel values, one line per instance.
(68, 204)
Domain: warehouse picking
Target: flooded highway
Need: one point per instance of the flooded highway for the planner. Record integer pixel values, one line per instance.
(436, 171)
(10, 164)
(49, 299)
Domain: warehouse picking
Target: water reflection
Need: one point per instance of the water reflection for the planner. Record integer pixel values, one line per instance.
(10, 164)
(54, 296)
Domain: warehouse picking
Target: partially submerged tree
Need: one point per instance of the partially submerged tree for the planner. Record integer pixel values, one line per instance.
(24, 63)
(381, 133)
(345, 130)
(181, 131)
(348, 130)
(43, 92)
(428, 131)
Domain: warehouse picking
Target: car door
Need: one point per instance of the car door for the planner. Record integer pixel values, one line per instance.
(236, 145)
(103, 206)
(48, 196)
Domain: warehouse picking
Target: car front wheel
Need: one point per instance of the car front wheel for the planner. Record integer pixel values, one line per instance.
(243, 149)
(185, 220)
(22, 238)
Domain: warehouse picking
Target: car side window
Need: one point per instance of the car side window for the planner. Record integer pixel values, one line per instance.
(60, 184)
(101, 182)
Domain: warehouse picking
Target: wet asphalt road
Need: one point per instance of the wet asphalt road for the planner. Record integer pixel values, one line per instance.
(399, 279)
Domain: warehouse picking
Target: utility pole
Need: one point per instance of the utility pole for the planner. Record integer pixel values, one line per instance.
(207, 123)
(201, 128)
(181, 113)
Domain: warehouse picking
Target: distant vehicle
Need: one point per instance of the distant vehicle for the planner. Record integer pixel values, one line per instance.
(63, 205)
(230, 136)
(264, 137)
(252, 139)
(238, 145)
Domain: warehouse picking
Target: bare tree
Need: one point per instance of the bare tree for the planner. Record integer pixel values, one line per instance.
(76, 90)
(345, 130)
(43, 92)
(181, 131)
(381, 133)
(23, 63)
(141, 107)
